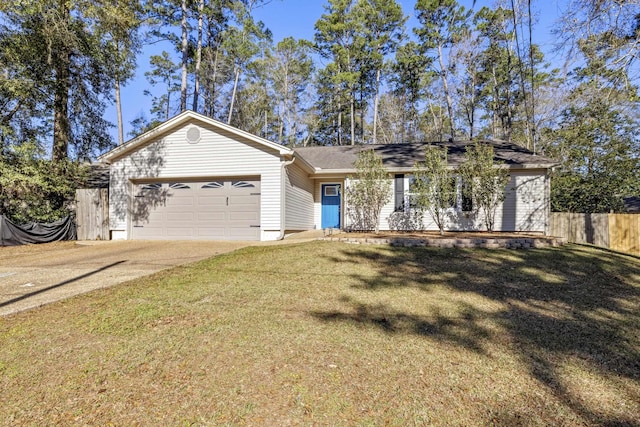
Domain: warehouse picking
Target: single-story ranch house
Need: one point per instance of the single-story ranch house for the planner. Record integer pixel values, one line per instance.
(196, 178)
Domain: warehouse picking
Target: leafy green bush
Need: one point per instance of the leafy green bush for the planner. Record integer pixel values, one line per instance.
(36, 189)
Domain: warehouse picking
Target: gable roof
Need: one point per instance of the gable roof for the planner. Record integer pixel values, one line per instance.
(180, 120)
(402, 157)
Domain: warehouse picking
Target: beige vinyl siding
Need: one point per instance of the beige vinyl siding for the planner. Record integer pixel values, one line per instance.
(217, 154)
(525, 207)
(299, 206)
(388, 209)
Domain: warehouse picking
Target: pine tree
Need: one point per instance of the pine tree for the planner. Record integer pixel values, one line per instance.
(383, 25)
(444, 24)
(290, 69)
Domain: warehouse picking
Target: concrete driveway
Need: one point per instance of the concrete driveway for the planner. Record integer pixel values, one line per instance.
(33, 275)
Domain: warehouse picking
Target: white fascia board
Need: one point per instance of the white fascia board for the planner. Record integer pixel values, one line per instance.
(334, 172)
(543, 166)
(321, 173)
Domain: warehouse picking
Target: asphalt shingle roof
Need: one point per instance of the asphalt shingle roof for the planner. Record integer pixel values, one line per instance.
(632, 204)
(98, 176)
(404, 156)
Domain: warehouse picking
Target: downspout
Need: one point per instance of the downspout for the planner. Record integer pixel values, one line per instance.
(283, 196)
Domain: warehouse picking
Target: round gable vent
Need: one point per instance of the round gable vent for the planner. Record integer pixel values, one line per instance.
(193, 135)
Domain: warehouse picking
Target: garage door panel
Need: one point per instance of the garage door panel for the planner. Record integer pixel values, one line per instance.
(211, 210)
(176, 201)
(246, 216)
(154, 217)
(244, 200)
(180, 232)
(180, 217)
(208, 200)
(212, 217)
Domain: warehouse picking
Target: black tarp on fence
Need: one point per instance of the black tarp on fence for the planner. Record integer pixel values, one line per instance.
(12, 234)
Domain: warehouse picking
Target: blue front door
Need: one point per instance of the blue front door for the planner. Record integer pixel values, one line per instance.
(330, 205)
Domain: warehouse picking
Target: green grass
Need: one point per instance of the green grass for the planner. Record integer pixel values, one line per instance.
(335, 334)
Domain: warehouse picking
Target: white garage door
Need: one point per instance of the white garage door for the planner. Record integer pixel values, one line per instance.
(206, 210)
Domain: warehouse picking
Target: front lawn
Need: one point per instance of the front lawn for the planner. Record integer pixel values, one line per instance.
(328, 333)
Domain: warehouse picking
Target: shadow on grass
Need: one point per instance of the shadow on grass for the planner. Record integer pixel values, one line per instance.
(461, 330)
(572, 302)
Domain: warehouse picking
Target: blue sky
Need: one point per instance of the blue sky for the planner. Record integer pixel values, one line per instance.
(297, 18)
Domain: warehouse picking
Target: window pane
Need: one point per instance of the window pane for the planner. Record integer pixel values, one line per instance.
(467, 196)
(399, 192)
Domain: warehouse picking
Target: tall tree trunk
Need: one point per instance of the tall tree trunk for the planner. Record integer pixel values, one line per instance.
(436, 121)
(339, 127)
(339, 130)
(284, 106)
(213, 86)
(61, 126)
(353, 119)
(196, 72)
(532, 76)
(119, 113)
(470, 105)
(522, 77)
(376, 99)
(119, 100)
(166, 111)
(496, 104)
(233, 94)
(445, 86)
(185, 53)
(508, 101)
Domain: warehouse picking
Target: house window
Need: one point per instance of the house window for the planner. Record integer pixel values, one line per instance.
(466, 196)
(399, 193)
(242, 184)
(214, 184)
(405, 193)
(178, 186)
(331, 190)
(154, 186)
(411, 195)
(452, 189)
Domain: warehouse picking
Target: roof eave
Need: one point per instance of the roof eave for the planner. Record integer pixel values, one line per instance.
(305, 165)
(534, 166)
(333, 172)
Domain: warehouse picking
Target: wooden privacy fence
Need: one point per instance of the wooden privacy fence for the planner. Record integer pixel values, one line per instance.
(620, 232)
(92, 214)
